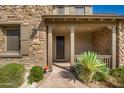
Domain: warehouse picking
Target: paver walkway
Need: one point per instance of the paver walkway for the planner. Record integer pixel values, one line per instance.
(61, 77)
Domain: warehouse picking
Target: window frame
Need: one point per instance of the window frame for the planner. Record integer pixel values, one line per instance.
(62, 7)
(79, 11)
(6, 40)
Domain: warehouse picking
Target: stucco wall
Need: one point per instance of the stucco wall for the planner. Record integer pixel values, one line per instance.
(83, 42)
(97, 41)
(38, 44)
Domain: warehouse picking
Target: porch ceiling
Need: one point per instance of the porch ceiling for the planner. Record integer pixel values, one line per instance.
(64, 28)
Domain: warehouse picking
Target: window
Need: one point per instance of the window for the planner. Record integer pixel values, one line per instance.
(61, 10)
(13, 40)
(79, 10)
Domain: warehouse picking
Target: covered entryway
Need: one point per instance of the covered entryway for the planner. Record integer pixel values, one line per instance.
(61, 43)
(82, 33)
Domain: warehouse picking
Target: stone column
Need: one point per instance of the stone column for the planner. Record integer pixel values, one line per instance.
(114, 46)
(72, 45)
(50, 57)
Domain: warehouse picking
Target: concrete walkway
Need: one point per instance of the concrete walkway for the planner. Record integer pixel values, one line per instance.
(61, 77)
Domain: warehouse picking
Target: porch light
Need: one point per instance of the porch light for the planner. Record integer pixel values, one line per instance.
(89, 29)
(34, 31)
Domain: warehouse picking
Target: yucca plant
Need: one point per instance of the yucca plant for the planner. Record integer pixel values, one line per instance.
(88, 66)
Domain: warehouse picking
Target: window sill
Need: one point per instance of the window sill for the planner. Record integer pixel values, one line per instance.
(10, 55)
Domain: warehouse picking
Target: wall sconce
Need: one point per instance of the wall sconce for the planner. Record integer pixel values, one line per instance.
(34, 31)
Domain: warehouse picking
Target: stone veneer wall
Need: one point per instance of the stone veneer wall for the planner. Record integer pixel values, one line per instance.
(2, 40)
(120, 45)
(38, 44)
(102, 42)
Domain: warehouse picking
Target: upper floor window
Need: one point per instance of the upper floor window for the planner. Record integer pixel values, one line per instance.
(61, 10)
(79, 10)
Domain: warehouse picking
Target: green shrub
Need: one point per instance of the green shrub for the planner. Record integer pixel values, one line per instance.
(11, 75)
(102, 73)
(89, 67)
(118, 74)
(36, 74)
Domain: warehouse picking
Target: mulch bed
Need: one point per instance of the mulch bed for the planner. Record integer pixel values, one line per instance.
(100, 84)
(34, 85)
(97, 84)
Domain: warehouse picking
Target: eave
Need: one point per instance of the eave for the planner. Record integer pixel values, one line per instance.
(83, 17)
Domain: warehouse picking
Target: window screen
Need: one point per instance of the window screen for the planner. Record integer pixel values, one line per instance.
(13, 38)
(61, 10)
(79, 10)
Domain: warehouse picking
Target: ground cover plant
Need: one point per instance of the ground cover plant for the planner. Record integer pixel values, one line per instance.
(118, 75)
(11, 75)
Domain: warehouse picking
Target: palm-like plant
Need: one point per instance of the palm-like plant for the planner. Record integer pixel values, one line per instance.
(88, 65)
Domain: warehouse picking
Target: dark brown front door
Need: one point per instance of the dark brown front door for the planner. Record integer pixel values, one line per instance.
(60, 47)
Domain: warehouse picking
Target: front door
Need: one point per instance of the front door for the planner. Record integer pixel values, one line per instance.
(60, 47)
